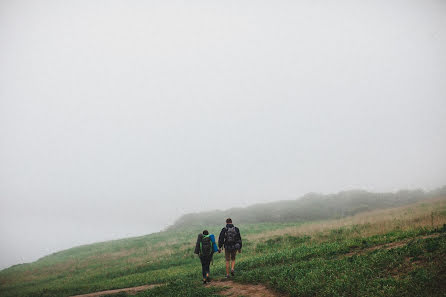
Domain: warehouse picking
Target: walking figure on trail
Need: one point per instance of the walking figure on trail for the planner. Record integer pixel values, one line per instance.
(205, 248)
(231, 240)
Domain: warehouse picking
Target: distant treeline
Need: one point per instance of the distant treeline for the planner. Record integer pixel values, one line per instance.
(309, 207)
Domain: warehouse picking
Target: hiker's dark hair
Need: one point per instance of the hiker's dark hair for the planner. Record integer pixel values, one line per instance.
(228, 221)
(205, 232)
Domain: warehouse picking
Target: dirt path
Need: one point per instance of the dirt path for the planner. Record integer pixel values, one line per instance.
(231, 289)
(130, 291)
(246, 290)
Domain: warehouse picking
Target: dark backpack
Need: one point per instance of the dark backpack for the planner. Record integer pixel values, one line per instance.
(230, 238)
(206, 245)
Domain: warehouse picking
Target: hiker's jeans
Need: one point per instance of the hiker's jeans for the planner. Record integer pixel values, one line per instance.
(205, 262)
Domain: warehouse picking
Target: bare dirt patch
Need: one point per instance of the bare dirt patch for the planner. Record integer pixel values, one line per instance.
(247, 290)
(130, 291)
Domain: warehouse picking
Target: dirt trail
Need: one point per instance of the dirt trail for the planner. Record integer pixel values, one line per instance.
(130, 291)
(232, 289)
(236, 289)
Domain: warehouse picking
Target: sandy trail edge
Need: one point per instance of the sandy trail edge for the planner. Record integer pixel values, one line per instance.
(132, 290)
(236, 289)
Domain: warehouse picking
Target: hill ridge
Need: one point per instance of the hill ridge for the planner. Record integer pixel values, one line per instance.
(309, 207)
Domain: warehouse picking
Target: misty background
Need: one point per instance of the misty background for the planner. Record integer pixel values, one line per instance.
(117, 117)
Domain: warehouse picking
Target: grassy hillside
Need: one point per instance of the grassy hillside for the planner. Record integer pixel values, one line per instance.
(311, 207)
(393, 252)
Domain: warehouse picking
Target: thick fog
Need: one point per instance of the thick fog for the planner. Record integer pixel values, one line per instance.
(117, 117)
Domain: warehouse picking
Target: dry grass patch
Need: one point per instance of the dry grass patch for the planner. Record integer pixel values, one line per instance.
(422, 214)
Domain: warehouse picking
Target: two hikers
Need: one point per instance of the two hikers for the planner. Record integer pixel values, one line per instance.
(231, 240)
(205, 248)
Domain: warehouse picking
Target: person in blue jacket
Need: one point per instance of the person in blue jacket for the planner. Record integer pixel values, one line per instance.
(205, 249)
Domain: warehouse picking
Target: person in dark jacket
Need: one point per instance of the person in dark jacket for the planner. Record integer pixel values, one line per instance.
(205, 248)
(231, 240)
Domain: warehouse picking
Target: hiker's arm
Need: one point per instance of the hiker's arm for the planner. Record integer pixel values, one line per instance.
(214, 244)
(221, 238)
(197, 245)
(239, 239)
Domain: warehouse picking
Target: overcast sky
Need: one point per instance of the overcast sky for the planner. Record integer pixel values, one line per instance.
(117, 117)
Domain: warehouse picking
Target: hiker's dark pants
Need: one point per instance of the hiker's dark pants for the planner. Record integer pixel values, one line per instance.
(205, 262)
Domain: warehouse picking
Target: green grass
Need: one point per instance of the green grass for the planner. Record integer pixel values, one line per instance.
(335, 262)
(322, 270)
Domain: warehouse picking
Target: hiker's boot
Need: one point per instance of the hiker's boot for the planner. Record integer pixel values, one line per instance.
(204, 281)
(232, 272)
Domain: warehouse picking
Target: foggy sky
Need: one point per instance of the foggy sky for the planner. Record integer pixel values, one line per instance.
(117, 117)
